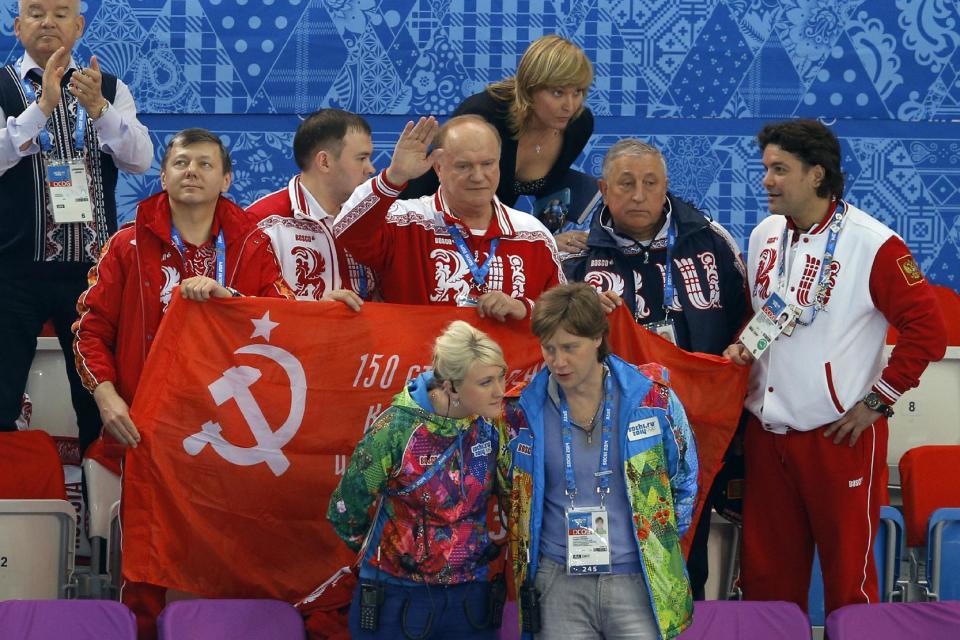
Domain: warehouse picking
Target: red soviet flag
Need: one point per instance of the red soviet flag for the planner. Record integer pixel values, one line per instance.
(249, 410)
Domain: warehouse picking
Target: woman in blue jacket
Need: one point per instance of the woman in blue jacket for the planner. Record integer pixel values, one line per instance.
(597, 437)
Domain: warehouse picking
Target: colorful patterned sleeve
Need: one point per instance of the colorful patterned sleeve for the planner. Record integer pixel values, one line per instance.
(507, 426)
(371, 465)
(683, 465)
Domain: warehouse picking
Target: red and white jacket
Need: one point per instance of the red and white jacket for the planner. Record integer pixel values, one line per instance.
(811, 378)
(301, 233)
(130, 286)
(409, 246)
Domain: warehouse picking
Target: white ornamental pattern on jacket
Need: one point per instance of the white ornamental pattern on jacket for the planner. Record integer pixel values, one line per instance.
(171, 278)
(806, 288)
(453, 279)
(761, 286)
(604, 280)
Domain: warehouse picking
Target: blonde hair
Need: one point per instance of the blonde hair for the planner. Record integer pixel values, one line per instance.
(550, 61)
(459, 347)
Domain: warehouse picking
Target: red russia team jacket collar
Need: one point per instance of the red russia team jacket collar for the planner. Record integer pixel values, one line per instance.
(820, 226)
(299, 204)
(500, 226)
(153, 214)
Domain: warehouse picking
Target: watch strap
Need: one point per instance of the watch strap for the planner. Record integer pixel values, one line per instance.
(103, 110)
(874, 402)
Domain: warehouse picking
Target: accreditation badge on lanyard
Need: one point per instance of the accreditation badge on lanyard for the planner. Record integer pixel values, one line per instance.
(665, 329)
(769, 322)
(588, 543)
(66, 179)
(69, 191)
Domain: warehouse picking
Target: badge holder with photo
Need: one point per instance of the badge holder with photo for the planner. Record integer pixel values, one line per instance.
(588, 543)
(773, 318)
(664, 328)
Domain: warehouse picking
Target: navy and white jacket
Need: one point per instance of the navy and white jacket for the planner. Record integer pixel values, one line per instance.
(710, 301)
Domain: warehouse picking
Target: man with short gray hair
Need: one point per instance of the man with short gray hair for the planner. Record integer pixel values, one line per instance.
(698, 303)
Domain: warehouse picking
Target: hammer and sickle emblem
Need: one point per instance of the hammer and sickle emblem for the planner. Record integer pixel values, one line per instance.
(235, 384)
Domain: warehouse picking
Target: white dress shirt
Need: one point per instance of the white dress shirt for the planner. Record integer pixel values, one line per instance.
(120, 133)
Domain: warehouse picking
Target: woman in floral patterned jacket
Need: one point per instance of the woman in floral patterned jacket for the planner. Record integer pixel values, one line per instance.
(429, 464)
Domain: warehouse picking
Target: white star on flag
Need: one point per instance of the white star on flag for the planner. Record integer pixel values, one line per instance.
(263, 326)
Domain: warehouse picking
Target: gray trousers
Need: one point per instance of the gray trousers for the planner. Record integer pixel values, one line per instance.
(608, 606)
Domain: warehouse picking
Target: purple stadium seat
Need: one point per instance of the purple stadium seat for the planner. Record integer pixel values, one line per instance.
(895, 620)
(509, 629)
(735, 620)
(74, 619)
(230, 620)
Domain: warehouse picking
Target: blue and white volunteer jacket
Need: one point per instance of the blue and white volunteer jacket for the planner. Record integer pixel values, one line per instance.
(660, 472)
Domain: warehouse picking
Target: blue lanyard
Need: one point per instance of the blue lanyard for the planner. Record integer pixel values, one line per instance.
(824, 275)
(603, 473)
(669, 293)
(221, 252)
(441, 460)
(479, 273)
(44, 135)
(362, 281)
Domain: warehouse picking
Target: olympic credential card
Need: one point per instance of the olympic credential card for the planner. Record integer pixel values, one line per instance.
(768, 323)
(588, 544)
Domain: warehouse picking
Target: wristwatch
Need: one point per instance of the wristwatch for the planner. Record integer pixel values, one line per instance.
(873, 402)
(99, 114)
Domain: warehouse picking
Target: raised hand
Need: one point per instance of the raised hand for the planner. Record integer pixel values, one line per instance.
(52, 75)
(410, 158)
(85, 84)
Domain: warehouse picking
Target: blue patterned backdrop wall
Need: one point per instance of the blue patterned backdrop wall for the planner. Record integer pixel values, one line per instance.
(699, 77)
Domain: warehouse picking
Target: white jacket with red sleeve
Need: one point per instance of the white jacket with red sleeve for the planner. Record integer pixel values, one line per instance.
(811, 378)
(408, 244)
(301, 234)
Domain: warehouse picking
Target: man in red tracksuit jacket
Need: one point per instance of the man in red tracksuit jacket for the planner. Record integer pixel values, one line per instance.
(460, 246)
(333, 149)
(187, 235)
